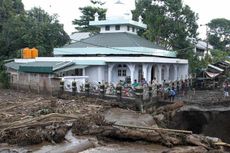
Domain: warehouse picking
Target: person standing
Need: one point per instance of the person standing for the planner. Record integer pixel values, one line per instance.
(226, 89)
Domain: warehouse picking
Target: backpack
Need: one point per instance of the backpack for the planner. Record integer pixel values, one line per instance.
(172, 93)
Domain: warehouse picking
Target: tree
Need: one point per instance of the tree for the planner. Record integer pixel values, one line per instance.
(170, 23)
(11, 12)
(219, 35)
(219, 55)
(34, 28)
(88, 12)
(43, 31)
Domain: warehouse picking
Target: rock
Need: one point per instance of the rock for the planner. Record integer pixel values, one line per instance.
(159, 117)
(188, 149)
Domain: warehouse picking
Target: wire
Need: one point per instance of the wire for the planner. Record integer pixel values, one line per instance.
(119, 49)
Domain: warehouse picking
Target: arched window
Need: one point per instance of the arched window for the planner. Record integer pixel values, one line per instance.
(122, 70)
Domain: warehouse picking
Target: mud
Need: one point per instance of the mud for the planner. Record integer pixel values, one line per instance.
(27, 119)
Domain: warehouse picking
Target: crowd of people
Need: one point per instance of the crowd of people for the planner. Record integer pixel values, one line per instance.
(164, 90)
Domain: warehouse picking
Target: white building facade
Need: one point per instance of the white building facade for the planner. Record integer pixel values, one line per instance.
(115, 53)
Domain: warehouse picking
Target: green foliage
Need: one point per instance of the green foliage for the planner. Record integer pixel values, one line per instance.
(219, 55)
(4, 78)
(196, 64)
(88, 12)
(35, 28)
(219, 35)
(43, 31)
(169, 22)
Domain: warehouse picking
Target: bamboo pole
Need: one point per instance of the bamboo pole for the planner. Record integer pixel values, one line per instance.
(152, 128)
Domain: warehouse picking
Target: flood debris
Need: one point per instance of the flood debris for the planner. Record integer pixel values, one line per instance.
(28, 119)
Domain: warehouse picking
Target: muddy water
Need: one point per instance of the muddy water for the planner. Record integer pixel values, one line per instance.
(71, 144)
(128, 148)
(74, 145)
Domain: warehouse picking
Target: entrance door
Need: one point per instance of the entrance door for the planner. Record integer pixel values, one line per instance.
(153, 73)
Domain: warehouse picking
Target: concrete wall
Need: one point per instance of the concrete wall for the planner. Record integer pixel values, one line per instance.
(35, 82)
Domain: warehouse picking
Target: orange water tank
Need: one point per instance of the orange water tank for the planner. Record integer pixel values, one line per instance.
(34, 53)
(26, 53)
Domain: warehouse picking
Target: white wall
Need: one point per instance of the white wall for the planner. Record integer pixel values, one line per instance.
(115, 78)
(123, 28)
(92, 73)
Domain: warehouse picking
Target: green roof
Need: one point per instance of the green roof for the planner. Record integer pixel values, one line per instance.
(121, 39)
(38, 67)
(50, 67)
(114, 44)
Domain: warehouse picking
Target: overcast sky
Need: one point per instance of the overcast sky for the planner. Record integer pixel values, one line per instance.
(68, 9)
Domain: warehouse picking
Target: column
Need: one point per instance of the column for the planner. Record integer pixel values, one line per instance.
(100, 74)
(186, 70)
(149, 73)
(83, 71)
(132, 70)
(167, 73)
(155, 71)
(175, 73)
(145, 70)
(110, 69)
(159, 66)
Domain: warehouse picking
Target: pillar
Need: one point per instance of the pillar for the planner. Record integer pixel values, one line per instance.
(83, 71)
(110, 69)
(145, 71)
(159, 67)
(167, 73)
(149, 73)
(132, 70)
(175, 73)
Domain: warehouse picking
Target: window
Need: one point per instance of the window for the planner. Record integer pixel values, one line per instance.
(133, 29)
(128, 28)
(107, 28)
(122, 70)
(78, 72)
(117, 27)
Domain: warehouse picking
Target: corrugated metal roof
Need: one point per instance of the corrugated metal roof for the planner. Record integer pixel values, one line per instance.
(79, 36)
(114, 51)
(114, 40)
(216, 68)
(73, 67)
(89, 62)
(13, 65)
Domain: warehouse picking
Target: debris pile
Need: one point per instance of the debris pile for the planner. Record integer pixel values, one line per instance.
(28, 119)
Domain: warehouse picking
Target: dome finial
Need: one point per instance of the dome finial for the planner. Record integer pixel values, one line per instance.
(96, 16)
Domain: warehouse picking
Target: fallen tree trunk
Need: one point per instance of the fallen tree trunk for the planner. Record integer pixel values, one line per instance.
(167, 138)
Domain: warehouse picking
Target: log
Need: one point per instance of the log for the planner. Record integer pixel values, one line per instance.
(222, 144)
(170, 107)
(151, 128)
